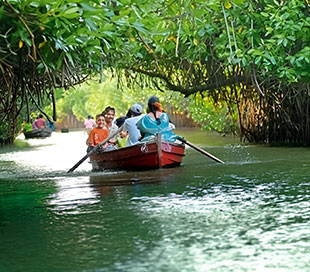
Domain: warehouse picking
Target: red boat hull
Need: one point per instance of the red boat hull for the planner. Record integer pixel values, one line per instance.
(150, 155)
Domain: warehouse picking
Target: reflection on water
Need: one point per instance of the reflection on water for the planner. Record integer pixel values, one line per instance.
(209, 234)
(72, 193)
(75, 191)
(251, 214)
(48, 156)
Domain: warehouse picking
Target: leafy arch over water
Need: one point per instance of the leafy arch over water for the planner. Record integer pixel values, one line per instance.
(253, 54)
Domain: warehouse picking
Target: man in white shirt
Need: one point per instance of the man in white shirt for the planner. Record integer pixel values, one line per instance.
(134, 115)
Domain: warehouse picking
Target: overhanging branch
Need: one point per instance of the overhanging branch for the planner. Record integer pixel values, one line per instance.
(208, 86)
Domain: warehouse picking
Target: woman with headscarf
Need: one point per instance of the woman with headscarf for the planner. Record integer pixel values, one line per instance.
(156, 122)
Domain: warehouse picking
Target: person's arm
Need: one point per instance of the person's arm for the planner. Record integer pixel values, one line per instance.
(171, 126)
(90, 139)
(114, 139)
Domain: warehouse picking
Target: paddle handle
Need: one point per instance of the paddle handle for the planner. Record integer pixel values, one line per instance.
(93, 150)
(81, 161)
(201, 150)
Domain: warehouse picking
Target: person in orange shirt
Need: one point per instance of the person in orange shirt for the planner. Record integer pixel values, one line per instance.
(98, 134)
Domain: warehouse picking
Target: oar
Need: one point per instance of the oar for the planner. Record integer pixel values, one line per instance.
(200, 150)
(94, 149)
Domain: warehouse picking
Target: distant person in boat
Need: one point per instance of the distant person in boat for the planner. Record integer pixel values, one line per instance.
(33, 125)
(109, 115)
(89, 124)
(134, 114)
(156, 122)
(99, 134)
(51, 125)
(39, 123)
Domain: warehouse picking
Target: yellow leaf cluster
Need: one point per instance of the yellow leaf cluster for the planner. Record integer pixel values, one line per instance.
(172, 38)
(42, 44)
(227, 5)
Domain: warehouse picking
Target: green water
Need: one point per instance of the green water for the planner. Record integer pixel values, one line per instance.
(251, 214)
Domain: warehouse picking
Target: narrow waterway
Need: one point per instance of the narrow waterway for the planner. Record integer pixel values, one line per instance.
(251, 214)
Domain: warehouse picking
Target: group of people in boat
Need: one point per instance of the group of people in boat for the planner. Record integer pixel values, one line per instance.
(136, 126)
(38, 123)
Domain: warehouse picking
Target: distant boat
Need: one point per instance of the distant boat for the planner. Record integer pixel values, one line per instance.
(149, 155)
(38, 133)
(64, 130)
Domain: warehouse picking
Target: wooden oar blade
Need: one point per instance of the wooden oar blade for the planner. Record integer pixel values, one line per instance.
(201, 150)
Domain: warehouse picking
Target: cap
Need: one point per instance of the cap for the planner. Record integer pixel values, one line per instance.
(136, 109)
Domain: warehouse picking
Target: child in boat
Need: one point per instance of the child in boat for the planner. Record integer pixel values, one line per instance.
(98, 134)
(156, 122)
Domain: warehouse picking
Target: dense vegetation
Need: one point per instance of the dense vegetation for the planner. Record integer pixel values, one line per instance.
(251, 57)
(92, 97)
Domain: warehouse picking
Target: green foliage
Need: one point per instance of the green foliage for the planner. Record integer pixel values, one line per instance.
(212, 116)
(187, 46)
(92, 98)
(20, 143)
(4, 136)
(27, 127)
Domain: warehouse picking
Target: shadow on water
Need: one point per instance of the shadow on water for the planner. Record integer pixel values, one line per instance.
(131, 178)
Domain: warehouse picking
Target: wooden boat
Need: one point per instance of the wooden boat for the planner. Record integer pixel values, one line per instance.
(150, 155)
(64, 130)
(38, 133)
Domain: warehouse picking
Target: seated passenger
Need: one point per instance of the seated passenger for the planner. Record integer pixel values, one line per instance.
(109, 114)
(156, 122)
(134, 115)
(98, 134)
(39, 123)
(51, 125)
(33, 125)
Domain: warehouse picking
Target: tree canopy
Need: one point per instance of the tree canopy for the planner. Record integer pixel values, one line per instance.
(92, 97)
(252, 55)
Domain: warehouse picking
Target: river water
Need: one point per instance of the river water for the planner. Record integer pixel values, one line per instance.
(251, 214)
